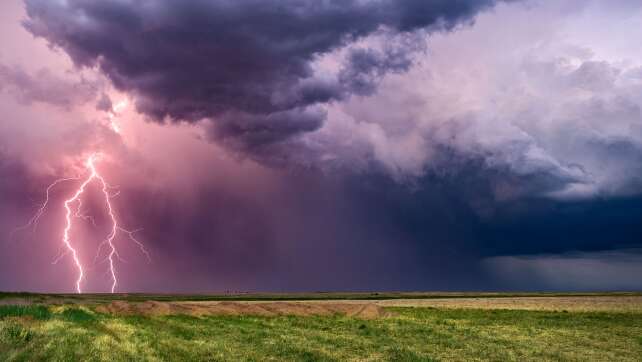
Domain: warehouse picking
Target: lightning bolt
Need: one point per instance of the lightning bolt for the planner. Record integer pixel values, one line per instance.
(73, 210)
(33, 222)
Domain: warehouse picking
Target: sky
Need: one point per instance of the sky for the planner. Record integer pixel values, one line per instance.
(285, 145)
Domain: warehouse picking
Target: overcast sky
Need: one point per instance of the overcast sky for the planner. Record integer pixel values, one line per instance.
(326, 145)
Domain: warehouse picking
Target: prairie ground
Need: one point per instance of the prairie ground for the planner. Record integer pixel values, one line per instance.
(554, 303)
(398, 328)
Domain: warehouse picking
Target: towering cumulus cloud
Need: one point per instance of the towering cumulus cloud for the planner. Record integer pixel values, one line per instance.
(245, 65)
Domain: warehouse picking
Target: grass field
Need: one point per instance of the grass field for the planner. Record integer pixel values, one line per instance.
(454, 330)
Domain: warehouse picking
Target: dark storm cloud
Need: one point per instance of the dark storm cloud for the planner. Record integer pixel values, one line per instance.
(259, 130)
(365, 67)
(577, 271)
(547, 226)
(247, 60)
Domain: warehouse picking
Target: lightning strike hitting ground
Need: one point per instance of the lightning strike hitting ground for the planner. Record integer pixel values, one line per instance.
(72, 212)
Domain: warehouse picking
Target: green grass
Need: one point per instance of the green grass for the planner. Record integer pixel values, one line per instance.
(33, 311)
(66, 333)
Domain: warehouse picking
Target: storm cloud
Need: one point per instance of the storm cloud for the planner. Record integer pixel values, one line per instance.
(246, 65)
(545, 109)
(445, 144)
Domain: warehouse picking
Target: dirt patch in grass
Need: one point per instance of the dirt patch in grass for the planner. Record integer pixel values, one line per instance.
(154, 308)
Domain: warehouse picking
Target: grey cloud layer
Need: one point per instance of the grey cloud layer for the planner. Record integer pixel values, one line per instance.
(45, 87)
(246, 62)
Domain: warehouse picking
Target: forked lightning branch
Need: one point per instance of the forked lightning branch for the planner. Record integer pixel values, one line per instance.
(73, 211)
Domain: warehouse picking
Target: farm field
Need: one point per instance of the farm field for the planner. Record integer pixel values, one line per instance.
(322, 327)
